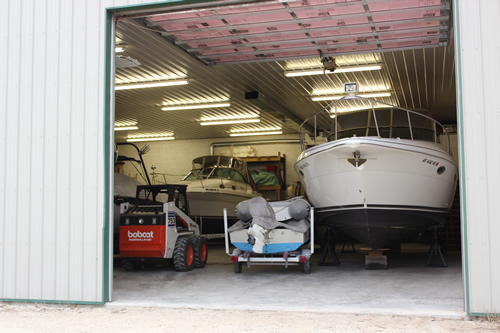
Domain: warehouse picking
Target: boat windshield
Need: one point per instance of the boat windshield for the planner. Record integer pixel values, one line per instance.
(384, 123)
(376, 119)
(216, 167)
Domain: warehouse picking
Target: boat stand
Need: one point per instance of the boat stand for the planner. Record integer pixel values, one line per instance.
(435, 251)
(329, 249)
(348, 247)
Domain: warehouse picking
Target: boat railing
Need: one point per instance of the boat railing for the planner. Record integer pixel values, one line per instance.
(331, 111)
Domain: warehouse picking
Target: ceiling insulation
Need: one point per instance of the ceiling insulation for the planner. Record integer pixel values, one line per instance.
(298, 29)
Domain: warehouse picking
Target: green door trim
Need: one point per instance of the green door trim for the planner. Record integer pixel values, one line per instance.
(463, 190)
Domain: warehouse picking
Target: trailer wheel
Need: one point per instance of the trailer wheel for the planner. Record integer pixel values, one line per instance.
(307, 266)
(184, 254)
(200, 251)
(131, 265)
(237, 267)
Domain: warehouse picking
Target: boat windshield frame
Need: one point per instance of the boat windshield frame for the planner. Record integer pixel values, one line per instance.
(213, 163)
(375, 105)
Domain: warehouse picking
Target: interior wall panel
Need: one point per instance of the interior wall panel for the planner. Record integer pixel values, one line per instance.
(477, 49)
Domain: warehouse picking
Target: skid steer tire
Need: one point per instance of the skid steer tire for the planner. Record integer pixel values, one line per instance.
(131, 265)
(200, 251)
(184, 254)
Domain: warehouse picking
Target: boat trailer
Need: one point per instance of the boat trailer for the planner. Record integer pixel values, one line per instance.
(282, 246)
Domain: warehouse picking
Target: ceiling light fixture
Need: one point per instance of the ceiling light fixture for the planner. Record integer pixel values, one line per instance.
(329, 98)
(126, 128)
(235, 121)
(255, 133)
(151, 139)
(321, 71)
(119, 48)
(196, 106)
(150, 84)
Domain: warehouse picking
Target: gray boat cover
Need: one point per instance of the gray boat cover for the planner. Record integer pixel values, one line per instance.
(264, 216)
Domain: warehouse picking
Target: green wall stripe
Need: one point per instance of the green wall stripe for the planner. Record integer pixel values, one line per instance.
(463, 191)
(108, 43)
(48, 301)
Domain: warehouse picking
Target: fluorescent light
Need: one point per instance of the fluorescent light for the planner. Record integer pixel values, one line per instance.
(126, 128)
(151, 139)
(119, 49)
(255, 133)
(306, 72)
(329, 98)
(150, 84)
(235, 121)
(196, 106)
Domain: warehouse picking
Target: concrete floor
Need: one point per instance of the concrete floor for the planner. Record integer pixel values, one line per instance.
(407, 287)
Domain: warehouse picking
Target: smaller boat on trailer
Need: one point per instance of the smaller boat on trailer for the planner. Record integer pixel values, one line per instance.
(272, 233)
(382, 176)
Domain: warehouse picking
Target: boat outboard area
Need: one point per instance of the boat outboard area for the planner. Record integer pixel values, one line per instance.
(378, 175)
(272, 233)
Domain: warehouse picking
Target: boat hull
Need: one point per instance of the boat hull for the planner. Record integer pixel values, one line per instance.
(207, 204)
(394, 190)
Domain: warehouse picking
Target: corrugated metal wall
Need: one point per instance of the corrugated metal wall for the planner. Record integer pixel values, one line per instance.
(51, 174)
(478, 49)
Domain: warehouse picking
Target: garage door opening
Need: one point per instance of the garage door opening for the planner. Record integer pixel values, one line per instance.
(223, 54)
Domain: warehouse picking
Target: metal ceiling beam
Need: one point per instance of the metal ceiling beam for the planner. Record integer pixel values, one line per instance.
(312, 19)
(438, 33)
(321, 47)
(309, 30)
(288, 9)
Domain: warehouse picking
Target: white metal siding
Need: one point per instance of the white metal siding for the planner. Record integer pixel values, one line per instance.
(478, 49)
(51, 147)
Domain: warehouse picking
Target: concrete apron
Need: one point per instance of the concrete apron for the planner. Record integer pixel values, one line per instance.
(406, 287)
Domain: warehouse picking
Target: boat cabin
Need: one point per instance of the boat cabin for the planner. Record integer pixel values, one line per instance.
(217, 166)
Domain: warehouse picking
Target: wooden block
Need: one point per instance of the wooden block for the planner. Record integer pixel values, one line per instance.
(374, 252)
(375, 262)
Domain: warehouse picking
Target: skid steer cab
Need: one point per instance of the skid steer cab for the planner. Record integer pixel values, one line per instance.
(155, 232)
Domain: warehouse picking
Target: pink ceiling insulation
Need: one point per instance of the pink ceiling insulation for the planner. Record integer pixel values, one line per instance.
(259, 18)
(305, 28)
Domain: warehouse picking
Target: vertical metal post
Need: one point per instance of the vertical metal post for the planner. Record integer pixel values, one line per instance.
(375, 118)
(336, 122)
(409, 124)
(312, 230)
(225, 231)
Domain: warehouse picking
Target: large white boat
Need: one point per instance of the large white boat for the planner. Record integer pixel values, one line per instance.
(216, 182)
(381, 176)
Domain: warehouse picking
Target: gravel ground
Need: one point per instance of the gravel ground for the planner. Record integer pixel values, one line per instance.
(16, 317)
